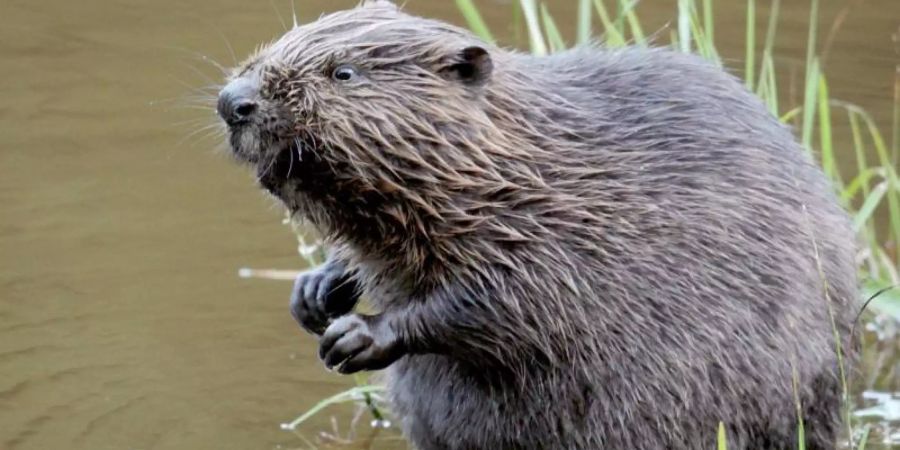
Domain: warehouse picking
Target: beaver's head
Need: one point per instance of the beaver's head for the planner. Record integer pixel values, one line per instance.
(372, 121)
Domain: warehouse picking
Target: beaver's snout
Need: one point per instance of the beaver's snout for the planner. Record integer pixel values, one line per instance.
(238, 102)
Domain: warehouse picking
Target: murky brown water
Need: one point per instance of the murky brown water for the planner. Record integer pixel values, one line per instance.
(123, 324)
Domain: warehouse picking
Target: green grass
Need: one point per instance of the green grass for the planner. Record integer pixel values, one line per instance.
(869, 186)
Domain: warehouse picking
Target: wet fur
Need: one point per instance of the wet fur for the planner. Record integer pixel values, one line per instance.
(594, 249)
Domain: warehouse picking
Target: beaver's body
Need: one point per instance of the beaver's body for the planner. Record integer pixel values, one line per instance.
(596, 249)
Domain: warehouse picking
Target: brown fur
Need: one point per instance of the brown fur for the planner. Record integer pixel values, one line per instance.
(594, 249)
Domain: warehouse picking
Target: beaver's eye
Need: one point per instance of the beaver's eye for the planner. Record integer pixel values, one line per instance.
(344, 73)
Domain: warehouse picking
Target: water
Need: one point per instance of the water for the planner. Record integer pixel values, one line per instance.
(123, 324)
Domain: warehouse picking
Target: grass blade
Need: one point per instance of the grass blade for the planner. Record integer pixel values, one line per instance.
(859, 183)
(626, 10)
(517, 19)
(474, 20)
(890, 175)
(790, 115)
(809, 104)
(721, 443)
(684, 26)
(859, 148)
(896, 128)
(705, 46)
(554, 38)
(613, 37)
(864, 438)
(767, 71)
(811, 38)
(829, 165)
(772, 26)
(708, 22)
(583, 30)
(869, 205)
(619, 23)
(768, 87)
(351, 394)
(535, 36)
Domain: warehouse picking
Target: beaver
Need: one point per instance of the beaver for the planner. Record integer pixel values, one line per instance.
(599, 248)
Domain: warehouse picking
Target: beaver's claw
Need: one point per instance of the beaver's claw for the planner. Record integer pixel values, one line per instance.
(322, 294)
(353, 343)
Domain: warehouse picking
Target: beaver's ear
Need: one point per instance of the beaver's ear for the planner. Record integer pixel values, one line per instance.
(471, 65)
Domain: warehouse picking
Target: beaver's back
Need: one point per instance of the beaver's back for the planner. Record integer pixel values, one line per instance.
(682, 269)
(675, 165)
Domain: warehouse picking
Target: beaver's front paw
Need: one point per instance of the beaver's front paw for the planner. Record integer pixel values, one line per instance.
(353, 343)
(322, 294)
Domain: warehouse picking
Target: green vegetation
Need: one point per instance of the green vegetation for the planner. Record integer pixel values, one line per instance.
(871, 191)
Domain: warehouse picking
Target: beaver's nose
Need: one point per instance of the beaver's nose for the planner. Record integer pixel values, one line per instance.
(238, 101)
